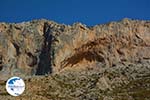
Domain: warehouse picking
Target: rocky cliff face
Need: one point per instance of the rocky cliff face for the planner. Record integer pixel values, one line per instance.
(103, 62)
(42, 47)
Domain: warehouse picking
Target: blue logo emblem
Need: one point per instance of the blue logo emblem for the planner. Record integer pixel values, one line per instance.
(15, 86)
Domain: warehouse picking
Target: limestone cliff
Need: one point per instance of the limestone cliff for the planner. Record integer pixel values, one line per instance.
(42, 47)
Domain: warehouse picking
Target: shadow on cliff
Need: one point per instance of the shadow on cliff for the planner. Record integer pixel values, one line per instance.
(44, 65)
(91, 51)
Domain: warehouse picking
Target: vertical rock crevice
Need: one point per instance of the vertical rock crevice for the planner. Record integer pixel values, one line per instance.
(45, 66)
(17, 48)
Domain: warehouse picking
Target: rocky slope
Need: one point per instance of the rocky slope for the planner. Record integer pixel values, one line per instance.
(103, 62)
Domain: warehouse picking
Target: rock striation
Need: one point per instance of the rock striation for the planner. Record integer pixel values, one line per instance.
(43, 47)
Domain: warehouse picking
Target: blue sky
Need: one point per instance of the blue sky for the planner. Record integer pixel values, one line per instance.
(89, 12)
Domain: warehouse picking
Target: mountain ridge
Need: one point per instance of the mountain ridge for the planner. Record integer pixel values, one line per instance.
(43, 39)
